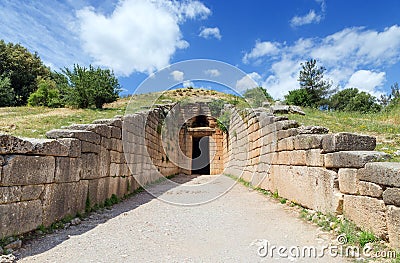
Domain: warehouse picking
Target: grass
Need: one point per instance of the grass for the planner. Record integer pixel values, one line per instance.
(34, 122)
(385, 126)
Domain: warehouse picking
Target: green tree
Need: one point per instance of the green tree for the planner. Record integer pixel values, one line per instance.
(341, 99)
(89, 86)
(22, 68)
(6, 92)
(47, 94)
(363, 102)
(299, 97)
(256, 96)
(311, 79)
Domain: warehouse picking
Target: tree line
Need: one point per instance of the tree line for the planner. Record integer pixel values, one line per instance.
(25, 80)
(316, 92)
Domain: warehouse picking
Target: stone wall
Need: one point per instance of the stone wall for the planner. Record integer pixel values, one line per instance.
(332, 173)
(44, 180)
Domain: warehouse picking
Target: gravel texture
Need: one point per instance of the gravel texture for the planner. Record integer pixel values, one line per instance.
(145, 229)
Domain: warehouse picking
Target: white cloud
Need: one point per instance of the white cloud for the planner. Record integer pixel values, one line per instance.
(212, 72)
(366, 80)
(210, 32)
(310, 18)
(248, 82)
(188, 83)
(139, 35)
(177, 75)
(261, 49)
(349, 55)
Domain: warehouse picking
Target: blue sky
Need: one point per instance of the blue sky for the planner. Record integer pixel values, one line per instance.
(357, 41)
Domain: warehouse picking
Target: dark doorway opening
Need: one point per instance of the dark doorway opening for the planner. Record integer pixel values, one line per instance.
(201, 155)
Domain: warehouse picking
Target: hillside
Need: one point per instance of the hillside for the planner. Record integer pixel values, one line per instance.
(36, 121)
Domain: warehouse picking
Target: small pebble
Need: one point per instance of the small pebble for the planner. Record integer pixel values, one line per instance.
(14, 245)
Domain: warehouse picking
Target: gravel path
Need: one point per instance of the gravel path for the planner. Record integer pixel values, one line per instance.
(145, 229)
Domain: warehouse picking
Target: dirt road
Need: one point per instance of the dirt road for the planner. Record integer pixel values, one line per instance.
(231, 228)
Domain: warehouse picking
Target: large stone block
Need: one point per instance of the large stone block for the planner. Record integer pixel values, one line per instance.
(348, 181)
(352, 159)
(393, 225)
(348, 142)
(383, 173)
(314, 158)
(88, 147)
(31, 192)
(90, 166)
(21, 217)
(82, 135)
(68, 169)
(312, 187)
(74, 146)
(98, 190)
(27, 170)
(367, 212)
(101, 129)
(369, 189)
(13, 145)
(60, 200)
(308, 141)
(391, 196)
(10, 194)
(104, 164)
(110, 122)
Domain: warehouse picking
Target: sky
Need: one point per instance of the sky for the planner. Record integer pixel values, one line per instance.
(358, 42)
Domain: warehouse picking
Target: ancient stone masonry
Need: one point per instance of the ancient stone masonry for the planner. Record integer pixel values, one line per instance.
(332, 173)
(44, 180)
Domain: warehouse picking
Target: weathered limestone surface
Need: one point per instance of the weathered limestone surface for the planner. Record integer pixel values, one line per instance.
(28, 170)
(348, 181)
(352, 159)
(367, 212)
(369, 189)
(20, 217)
(391, 196)
(384, 173)
(348, 142)
(393, 225)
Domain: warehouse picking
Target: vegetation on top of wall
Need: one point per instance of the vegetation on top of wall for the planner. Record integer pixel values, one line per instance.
(384, 125)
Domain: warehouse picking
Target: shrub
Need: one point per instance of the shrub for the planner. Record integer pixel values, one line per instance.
(7, 94)
(257, 96)
(47, 94)
(299, 97)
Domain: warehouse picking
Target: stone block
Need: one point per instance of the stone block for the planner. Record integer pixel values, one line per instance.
(348, 181)
(10, 194)
(104, 164)
(110, 122)
(366, 212)
(348, 142)
(383, 173)
(27, 170)
(101, 129)
(90, 166)
(116, 145)
(116, 132)
(88, 147)
(68, 169)
(308, 141)
(98, 189)
(312, 187)
(14, 145)
(312, 130)
(391, 196)
(21, 217)
(352, 159)
(314, 158)
(82, 135)
(74, 146)
(117, 157)
(369, 189)
(60, 200)
(31, 192)
(393, 225)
